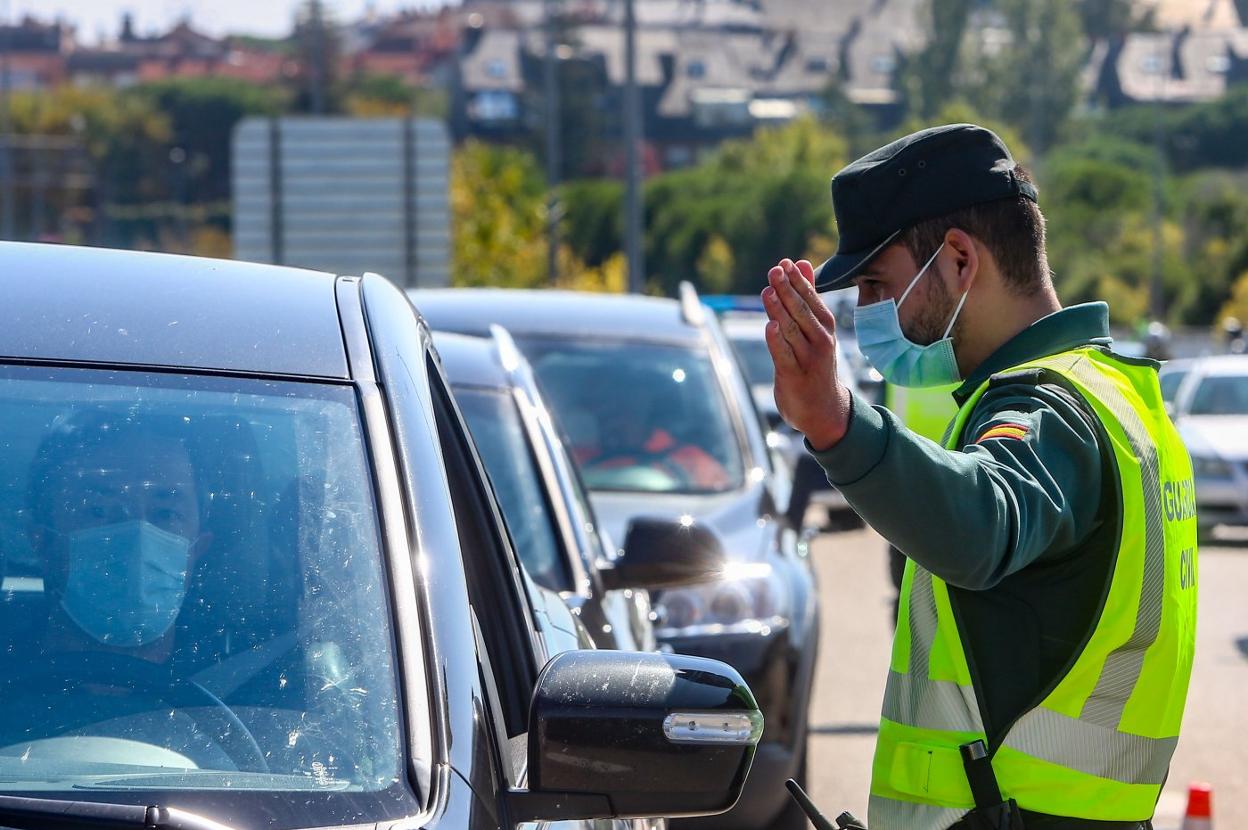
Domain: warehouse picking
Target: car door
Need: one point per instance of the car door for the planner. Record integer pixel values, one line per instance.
(517, 625)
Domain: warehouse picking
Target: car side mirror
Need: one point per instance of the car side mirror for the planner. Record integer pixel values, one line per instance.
(634, 735)
(665, 553)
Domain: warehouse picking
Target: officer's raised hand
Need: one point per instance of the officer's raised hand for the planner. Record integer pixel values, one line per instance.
(801, 336)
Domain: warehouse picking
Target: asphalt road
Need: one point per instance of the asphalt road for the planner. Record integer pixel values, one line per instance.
(849, 683)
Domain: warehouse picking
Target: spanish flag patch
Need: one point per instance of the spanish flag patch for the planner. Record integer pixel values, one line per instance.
(1015, 431)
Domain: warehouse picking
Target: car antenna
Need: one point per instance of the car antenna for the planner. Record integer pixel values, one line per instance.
(691, 308)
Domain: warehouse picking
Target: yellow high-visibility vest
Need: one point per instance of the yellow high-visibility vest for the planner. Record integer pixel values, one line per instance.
(1098, 746)
(927, 411)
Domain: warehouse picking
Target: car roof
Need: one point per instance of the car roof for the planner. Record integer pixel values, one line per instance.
(77, 304)
(545, 311)
(1225, 364)
(470, 360)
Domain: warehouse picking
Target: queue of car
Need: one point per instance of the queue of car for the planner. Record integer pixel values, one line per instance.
(262, 564)
(662, 425)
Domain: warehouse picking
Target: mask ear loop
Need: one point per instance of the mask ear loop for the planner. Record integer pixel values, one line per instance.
(919, 275)
(956, 312)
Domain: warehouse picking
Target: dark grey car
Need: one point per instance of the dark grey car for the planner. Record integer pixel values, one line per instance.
(661, 422)
(254, 576)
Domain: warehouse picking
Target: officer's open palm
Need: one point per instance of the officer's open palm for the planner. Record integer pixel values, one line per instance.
(801, 336)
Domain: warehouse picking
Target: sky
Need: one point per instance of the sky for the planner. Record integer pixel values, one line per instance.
(98, 19)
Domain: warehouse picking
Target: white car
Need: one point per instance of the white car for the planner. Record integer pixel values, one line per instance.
(1211, 411)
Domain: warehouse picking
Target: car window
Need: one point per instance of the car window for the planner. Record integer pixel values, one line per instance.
(193, 595)
(755, 360)
(640, 416)
(1170, 383)
(1221, 395)
(501, 606)
(499, 434)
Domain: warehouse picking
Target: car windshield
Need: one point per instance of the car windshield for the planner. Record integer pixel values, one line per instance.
(755, 360)
(1170, 383)
(640, 416)
(499, 434)
(193, 596)
(1221, 395)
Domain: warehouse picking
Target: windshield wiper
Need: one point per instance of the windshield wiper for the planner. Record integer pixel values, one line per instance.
(23, 813)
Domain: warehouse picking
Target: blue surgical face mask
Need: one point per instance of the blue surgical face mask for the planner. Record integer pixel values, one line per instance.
(895, 356)
(126, 582)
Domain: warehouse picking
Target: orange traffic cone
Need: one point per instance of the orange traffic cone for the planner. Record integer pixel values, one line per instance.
(1199, 814)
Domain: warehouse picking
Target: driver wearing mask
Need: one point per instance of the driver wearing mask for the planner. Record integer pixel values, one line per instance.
(115, 515)
(117, 524)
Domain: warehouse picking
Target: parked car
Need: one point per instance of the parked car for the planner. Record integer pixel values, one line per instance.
(660, 422)
(1171, 376)
(547, 508)
(1210, 410)
(255, 577)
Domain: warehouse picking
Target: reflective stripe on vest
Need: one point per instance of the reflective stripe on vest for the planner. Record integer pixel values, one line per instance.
(1099, 745)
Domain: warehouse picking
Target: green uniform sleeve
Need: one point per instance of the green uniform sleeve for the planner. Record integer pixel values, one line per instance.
(978, 514)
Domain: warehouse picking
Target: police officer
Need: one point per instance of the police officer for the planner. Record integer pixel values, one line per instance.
(1047, 621)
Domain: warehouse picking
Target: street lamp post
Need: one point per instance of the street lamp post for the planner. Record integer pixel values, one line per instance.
(8, 200)
(632, 140)
(554, 149)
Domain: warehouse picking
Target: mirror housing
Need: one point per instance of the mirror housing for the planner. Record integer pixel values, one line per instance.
(665, 553)
(617, 734)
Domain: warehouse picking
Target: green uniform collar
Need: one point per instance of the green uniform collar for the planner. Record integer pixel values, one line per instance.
(1065, 329)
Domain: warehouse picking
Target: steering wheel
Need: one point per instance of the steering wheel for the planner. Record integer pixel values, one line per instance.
(58, 672)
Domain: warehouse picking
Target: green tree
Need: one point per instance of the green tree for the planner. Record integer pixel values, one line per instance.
(593, 218)
(387, 96)
(1109, 18)
(498, 209)
(1208, 134)
(930, 77)
(767, 197)
(202, 114)
(498, 215)
(1033, 82)
(126, 143)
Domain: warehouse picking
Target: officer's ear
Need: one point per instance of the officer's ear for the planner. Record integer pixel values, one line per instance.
(962, 260)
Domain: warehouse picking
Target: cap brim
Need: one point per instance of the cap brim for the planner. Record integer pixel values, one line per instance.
(840, 269)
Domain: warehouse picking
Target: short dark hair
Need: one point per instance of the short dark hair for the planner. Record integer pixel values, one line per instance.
(1011, 229)
(81, 433)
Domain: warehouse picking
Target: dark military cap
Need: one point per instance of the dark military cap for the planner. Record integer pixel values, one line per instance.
(923, 176)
